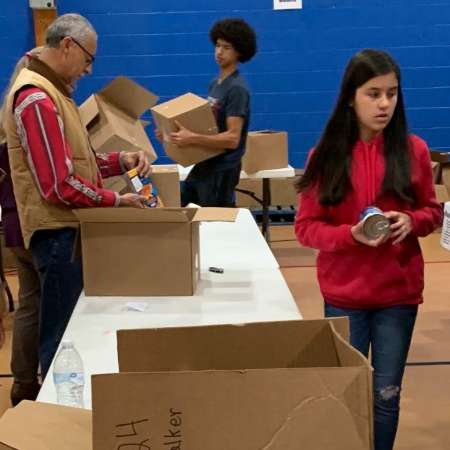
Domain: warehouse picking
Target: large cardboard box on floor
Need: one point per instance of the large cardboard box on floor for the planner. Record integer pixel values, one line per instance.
(273, 386)
(42, 426)
(112, 117)
(195, 114)
(265, 150)
(143, 252)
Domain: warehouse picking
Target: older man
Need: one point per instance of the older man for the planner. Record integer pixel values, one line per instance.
(55, 170)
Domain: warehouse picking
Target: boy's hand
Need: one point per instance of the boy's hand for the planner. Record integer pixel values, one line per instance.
(183, 136)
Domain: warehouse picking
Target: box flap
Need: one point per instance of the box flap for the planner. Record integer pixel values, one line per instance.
(89, 110)
(249, 346)
(215, 215)
(128, 96)
(179, 105)
(43, 426)
(128, 215)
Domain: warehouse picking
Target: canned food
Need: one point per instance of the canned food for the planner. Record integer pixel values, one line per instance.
(375, 224)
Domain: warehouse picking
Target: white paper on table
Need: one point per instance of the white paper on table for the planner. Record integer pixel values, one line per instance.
(287, 4)
(136, 306)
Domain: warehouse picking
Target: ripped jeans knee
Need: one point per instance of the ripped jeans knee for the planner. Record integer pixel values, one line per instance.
(388, 398)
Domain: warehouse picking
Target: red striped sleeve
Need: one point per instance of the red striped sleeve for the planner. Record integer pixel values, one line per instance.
(49, 155)
(109, 164)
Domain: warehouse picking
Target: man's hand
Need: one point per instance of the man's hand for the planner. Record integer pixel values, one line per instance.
(132, 200)
(136, 160)
(401, 227)
(358, 235)
(183, 136)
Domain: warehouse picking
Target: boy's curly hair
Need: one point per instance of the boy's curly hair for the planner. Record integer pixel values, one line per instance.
(239, 34)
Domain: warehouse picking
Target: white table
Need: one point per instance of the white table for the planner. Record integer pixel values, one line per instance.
(251, 289)
(265, 176)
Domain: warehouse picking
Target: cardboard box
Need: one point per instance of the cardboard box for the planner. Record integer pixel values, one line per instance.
(231, 387)
(265, 150)
(43, 426)
(436, 169)
(143, 252)
(440, 165)
(167, 179)
(442, 193)
(194, 113)
(112, 117)
(117, 184)
(273, 386)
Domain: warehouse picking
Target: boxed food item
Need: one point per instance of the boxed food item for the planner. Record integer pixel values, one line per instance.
(144, 186)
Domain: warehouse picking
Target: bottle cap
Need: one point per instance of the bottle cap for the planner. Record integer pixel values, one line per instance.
(67, 343)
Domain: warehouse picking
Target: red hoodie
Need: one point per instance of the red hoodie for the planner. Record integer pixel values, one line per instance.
(354, 275)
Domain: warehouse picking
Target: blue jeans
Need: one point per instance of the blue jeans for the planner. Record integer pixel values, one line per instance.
(61, 284)
(388, 333)
(211, 188)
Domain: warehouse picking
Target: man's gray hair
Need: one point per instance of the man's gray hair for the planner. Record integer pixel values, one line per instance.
(72, 25)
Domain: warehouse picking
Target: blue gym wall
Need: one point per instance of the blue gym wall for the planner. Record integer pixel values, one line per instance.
(164, 45)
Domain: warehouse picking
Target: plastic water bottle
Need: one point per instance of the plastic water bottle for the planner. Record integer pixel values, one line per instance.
(68, 376)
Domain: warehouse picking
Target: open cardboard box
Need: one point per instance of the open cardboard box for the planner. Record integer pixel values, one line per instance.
(112, 117)
(273, 386)
(194, 113)
(143, 252)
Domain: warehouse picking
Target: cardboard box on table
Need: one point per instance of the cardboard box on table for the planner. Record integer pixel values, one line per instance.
(265, 150)
(143, 252)
(277, 386)
(273, 386)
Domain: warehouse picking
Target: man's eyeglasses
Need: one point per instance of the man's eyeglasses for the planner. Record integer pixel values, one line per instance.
(91, 59)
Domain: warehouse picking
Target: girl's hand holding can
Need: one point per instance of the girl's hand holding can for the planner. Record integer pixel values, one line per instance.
(401, 226)
(359, 236)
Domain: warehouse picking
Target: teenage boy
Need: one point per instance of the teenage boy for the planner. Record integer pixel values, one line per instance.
(212, 182)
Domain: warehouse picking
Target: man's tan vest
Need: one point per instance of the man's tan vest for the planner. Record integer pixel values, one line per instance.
(35, 213)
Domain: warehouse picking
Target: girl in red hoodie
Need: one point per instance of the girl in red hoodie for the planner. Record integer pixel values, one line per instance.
(364, 158)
